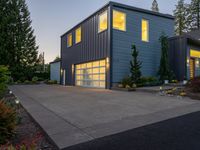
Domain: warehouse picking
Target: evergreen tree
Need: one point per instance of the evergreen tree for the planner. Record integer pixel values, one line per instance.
(164, 70)
(155, 6)
(180, 14)
(194, 15)
(19, 50)
(135, 66)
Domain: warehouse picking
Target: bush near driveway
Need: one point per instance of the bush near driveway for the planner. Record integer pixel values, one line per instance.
(51, 82)
(4, 77)
(194, 85)
(8, 122)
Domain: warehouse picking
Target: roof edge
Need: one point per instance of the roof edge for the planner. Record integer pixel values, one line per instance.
(111, 3)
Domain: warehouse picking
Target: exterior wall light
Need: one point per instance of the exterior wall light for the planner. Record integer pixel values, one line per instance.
(188, 61)
(197, 63)
(107, 62)
(61, 71)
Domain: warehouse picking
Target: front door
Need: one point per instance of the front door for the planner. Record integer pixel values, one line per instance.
(192, 68)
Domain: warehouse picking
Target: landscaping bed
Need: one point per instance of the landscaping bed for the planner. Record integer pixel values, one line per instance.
(28, 135)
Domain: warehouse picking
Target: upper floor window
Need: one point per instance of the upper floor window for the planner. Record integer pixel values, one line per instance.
(69, 40)
(145, 30)
(119, 20)
(78, 35)
(103, 21)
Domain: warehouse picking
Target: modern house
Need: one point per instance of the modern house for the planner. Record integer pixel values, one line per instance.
(184, 54)
(97, 51)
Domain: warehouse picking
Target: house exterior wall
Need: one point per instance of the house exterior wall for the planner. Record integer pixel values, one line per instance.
(178, 52)
(197, 67)
(94, 46)
(149, 52)
(114, 45)
(55, 71)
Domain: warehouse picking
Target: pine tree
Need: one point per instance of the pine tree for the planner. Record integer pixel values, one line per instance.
(180, 14)
(164, 70)
(19, 50)
(155, 6)
(194, 15)
(135, 66)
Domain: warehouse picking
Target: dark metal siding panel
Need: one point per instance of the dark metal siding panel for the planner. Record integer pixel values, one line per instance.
(178, 56)
(94, 46)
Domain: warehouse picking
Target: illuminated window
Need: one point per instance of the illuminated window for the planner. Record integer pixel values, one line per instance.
(69, 40)
(194, 53)
(103, 21)
(78, 35)
(119, 20)
(145, 30)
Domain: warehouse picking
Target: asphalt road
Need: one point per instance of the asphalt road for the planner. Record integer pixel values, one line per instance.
(181, 133)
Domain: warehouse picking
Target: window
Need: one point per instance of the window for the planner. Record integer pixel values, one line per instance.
(145, 30)
(69, 40)
(119, 20)
(78, 35)
(103, 21)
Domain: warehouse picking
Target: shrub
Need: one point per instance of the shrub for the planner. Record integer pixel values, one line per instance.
(127, 81)
(148, 81)
(194, 84)
(51, 82)
(27, 82)
(8, 122)
(34, 80)
(4, 77)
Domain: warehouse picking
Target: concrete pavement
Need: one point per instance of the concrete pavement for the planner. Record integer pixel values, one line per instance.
(72, 115)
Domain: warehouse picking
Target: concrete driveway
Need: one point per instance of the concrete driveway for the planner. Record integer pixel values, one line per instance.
(72, 115)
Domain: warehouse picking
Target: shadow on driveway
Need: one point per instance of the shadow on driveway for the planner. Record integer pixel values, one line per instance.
(181, 133)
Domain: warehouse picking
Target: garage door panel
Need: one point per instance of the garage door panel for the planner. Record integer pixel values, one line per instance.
(92, 74)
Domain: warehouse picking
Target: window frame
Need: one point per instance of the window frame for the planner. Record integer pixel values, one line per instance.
(125, 21)
(143, 19)
(70, 34)
(76, 35)
(101, 14)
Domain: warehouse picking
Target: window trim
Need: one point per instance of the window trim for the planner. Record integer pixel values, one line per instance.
(106, 11)
(75, 35)
(143, 19)
(124, 20)
(71, 39)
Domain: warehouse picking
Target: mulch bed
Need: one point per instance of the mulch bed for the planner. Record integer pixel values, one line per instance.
(27, 131)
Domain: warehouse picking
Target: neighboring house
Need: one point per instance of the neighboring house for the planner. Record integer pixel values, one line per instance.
(184, 54)
(55, 71)
(97, 51)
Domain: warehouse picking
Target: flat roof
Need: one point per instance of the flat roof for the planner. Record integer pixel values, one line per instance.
(55, 61)
(124, 6)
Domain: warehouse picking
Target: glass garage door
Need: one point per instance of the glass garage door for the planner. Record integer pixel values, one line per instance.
(92, 74)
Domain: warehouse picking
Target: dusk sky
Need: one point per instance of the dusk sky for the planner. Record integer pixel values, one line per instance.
(52, 18)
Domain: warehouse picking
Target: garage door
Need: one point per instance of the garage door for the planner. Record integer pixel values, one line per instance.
(92, 74)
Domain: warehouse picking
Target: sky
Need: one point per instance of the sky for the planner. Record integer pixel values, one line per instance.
(52, 18)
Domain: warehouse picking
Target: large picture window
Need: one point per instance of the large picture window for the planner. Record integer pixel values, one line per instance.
(119, 20)
(78, 35)
(69, 40)
(103, 21)
(145, 30)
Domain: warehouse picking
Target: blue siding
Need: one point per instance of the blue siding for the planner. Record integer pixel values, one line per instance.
(55, 71)
(149, 52)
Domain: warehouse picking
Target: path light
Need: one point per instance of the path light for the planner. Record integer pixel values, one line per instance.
(10, 92)
(17, 101)
(161, 88)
